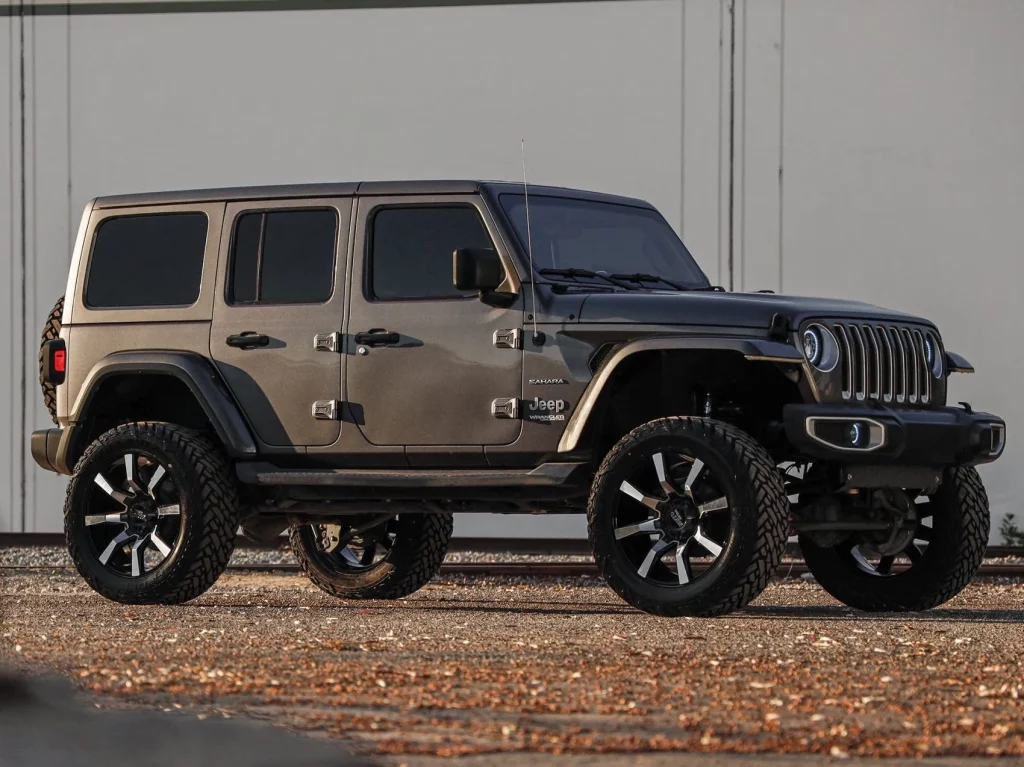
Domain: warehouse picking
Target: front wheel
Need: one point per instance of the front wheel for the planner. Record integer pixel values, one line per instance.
(687, 516)
(930, 561)
(373, 557)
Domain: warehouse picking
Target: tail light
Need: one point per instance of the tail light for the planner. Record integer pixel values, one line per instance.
(54, 361)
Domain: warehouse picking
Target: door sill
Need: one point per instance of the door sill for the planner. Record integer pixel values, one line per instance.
(545, 475)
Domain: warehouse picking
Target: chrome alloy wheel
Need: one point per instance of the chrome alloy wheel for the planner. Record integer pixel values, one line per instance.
(135, 519)
(662, 531)
(359, 546)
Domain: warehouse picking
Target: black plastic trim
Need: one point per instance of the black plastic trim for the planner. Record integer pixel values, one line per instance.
(191, 369)
(754, 349)
(942, 437)
(44, 445)
(545, 475)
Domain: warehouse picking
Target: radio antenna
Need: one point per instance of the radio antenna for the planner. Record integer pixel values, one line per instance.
(538, 337)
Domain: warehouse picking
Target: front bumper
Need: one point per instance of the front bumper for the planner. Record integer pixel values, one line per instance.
(942, 437)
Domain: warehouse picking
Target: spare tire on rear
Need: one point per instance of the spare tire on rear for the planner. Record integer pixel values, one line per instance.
(51, 330)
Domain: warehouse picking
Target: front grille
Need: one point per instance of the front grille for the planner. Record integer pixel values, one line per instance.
(883, 362)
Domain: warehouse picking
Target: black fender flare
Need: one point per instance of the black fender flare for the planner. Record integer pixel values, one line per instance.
(754, 349)
(191, 369)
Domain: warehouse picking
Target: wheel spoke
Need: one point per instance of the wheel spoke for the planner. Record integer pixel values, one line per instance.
(656, 550)
(647, 526)
(155, 480)
(713, 548)
(682, 564)
(101, 519)
(923, 533)
(636, 495)
(694, 475)
(913, 552)
(716, 505)
(138, 568)
(158, 542)
(885, 565)
(119, 540)
(349, 556)
(117, 495)
(171, 510)
(663, 480)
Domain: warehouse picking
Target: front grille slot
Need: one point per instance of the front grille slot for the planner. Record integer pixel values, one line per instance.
(885, 363)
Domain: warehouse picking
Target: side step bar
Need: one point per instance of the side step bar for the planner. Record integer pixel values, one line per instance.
(545, 475)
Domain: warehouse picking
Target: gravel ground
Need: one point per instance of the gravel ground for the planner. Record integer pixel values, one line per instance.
(485, 665)
(57, 556)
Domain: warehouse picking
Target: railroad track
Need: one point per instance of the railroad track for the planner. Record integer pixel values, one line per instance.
(534, 569)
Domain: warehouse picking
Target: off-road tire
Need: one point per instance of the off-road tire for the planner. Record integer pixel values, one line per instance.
(755, 547)
(209, 514)
(960, 528)
(51, 330)
(416, 557)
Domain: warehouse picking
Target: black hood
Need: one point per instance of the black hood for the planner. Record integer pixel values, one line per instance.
(739, 310)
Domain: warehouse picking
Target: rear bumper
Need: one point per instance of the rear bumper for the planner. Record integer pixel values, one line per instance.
(49, 449)
(942, 437)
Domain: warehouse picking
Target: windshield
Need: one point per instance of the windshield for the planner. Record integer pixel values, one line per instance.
(603, 237)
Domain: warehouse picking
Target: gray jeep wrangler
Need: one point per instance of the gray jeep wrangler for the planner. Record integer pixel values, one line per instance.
(356, 362)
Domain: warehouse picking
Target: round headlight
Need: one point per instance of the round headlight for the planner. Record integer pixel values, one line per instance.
(812, 346)
(933, 355)
(820, 347)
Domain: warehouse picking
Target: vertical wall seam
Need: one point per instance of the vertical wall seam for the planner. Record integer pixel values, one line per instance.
(20, 436)
(782, 120)
(35, 248)
(732, 141)
(721, 107)
(743, 156)
(71, 231)
(682, 127)
(10, 264)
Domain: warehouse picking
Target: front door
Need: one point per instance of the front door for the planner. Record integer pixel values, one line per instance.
(423, 367)
(277, 322)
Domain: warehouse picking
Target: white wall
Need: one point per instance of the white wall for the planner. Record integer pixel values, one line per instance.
(881, 158)
(121, 103)
(873, 151)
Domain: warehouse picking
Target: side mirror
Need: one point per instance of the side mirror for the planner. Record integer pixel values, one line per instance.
(477, 269)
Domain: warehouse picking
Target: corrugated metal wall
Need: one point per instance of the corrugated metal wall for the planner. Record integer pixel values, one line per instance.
(859, 148)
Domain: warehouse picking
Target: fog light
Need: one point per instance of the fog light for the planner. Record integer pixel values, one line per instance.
(856, 433)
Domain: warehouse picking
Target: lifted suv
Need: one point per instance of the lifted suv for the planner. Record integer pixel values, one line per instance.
(356, 362)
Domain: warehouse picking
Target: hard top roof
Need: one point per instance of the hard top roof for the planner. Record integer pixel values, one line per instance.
(347, 189)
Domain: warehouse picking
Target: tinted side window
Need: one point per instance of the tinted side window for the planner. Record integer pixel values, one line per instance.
(283, 257)
(411, 249)
(147, 260)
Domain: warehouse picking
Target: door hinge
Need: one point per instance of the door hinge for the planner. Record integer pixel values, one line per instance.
(508, 339)
(505, 407)
(325, 410)
(327, 342)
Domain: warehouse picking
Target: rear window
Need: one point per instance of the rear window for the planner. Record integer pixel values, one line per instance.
(149, 260)
(283, 257)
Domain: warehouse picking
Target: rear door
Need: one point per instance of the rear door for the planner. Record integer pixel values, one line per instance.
(278, 316)
(436, 366)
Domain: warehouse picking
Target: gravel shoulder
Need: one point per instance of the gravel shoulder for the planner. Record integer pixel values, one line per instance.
(478, 666)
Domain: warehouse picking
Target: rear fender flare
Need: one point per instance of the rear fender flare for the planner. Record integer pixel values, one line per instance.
(753, 349)
(191, 369)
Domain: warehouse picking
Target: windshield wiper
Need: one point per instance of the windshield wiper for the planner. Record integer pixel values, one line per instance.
(575, 274)
(640, 277)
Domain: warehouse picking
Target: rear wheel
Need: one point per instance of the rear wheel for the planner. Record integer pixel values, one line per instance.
(51, 330)
(373, 557)
(931, 558)
(687, 516)
(151, 514)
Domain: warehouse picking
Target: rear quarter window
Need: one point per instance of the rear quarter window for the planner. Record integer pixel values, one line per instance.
(147, 260)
